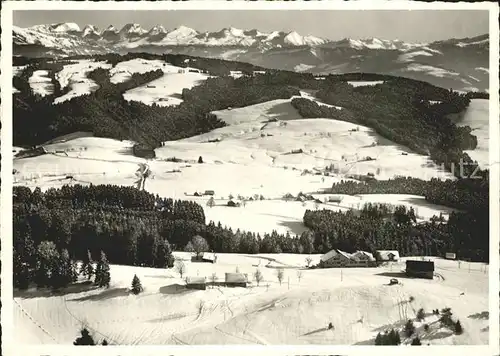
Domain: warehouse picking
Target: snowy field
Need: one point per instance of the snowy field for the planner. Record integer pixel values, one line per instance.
(124, 70)
(74, 76)
(357, 301)
(40, 83)
(165, 91)
(251, 157)
(477, 117)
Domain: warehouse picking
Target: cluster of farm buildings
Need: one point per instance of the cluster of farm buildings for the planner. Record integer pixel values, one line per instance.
(332, 259)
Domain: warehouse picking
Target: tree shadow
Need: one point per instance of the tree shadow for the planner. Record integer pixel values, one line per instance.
(485, 315)
(393, 274)
(438, 334)
(104, 295)
(315, 331)
(168, 318)
(395, 325)
(175, 289)
(73, 288)
(284, 111)
(296, 227)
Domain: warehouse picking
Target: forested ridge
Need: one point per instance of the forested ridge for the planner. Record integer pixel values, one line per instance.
(134, 227)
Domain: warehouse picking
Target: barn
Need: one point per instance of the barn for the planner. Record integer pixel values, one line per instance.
(205, 257)
(364, 257)
(196, 283)
(236, 280)
(450, 256)
(209, 192)
(420, 269)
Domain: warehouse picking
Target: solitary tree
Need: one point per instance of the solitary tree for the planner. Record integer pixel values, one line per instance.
(420, 314)
(409, 328)
(102, 275)
(211, 202)
(458, 328)
(87, 267)
(258, 277)
(200, 159)
(180, 267)
(136, 285)
(280, 273)
(104, 343)
(200, 245)
(299, 275)
(308, 261)
(85, 338)
(416, 341)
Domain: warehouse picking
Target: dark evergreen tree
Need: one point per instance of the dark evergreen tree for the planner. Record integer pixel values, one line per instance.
(136, 285)
(416, 341)
(102, 275)
(87, 267)
(85, 339)
(458, 328)
(409, 328)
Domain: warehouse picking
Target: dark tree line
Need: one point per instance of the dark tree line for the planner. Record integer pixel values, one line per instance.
(464, 194)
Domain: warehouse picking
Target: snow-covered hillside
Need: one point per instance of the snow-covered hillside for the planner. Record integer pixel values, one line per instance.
(268, 149)
(75, 77)
(357, 301)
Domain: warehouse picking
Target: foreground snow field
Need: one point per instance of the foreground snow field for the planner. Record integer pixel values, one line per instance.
(357, 301)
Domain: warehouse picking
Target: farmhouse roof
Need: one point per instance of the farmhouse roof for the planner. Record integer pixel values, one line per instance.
(236, 278)
(331, 254)
(208, 256)
(195, 280)
(364, 253)
(385, 254)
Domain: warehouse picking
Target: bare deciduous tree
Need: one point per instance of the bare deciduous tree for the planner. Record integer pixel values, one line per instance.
(180, 267)
(308, 261)
(280, 273)
(258, 276)
(299, 275)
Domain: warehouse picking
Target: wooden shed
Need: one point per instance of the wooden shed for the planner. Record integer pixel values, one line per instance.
(236, 280)
(196, 283)
(420, 269)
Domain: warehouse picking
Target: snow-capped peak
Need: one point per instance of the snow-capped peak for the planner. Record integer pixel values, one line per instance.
(236, 32)
(294, 39)
(156, 30)
(65, 27)
(132, 28)
(90, 30)
(182, 32)
(111, 28)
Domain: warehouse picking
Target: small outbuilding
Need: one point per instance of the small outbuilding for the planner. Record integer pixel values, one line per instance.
(196, 283)
(420, 269)
(450, 256)
(387, 255)
(207, 257)
(236, 280)
(209, 192)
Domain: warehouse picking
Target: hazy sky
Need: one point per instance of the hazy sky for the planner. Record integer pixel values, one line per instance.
(414, 25)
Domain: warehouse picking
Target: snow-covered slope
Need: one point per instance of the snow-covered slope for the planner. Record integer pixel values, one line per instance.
(357, 301)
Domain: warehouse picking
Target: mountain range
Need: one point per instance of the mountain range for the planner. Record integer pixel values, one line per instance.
(461, 64)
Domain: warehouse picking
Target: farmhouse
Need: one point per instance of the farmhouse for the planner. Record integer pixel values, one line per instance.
(196, 283)
(209, 192)
(236, 280)
(207, 257)
(338, 258)
(420, 269)
(387, 255)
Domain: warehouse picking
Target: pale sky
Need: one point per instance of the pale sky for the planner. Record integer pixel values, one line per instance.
(406, 25)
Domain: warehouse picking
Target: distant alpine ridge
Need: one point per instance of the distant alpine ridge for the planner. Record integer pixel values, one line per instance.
(435, 62)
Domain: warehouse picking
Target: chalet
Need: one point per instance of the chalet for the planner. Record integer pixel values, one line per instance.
(236, 280)
(196, 283)
(209, 192)
(143, 151)
(420, 269)
(387, 255)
